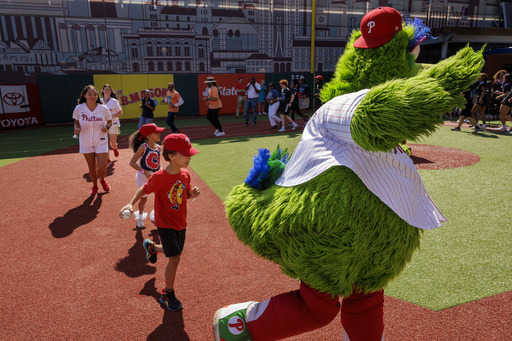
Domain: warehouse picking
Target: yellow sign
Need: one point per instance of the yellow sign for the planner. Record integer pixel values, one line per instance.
(130, 91)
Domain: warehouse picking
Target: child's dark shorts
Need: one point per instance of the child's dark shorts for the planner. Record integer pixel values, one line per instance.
(172, 241)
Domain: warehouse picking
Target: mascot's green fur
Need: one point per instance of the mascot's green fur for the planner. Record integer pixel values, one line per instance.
(332, 232)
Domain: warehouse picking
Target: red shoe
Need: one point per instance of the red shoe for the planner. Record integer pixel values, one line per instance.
(105, 185)
(94, 191)
(116, 152)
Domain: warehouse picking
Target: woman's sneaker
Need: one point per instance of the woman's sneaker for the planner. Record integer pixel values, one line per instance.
(105, 185)
(94, 191)
(170, 302)
(221, 133)
(229, 323)
(151, 255)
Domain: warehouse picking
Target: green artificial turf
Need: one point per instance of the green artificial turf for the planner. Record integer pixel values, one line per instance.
(467, 259)
(17, 144)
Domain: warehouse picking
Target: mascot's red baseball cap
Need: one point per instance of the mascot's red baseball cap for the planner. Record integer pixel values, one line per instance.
(378, 27)
(149, 128)
(180, 143)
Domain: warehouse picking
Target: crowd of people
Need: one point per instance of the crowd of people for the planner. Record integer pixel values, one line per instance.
(486, 100)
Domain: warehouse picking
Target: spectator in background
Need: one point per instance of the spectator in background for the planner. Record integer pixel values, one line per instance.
(294, 107)
(253, 89)
(148, 107)
(174, 100)
(480, 102)
(285, 101)
(240, 95)
(261, 98)
(214, 105)
(110, 101)
(273, 104)
(466, 112)
(506, 103)
(304, 94)
(319, 80)
(92, 122)
(496, 91)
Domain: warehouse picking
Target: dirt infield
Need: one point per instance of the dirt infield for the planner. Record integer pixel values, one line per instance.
(72, 270)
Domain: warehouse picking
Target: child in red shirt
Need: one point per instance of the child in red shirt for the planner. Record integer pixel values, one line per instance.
(172, 188)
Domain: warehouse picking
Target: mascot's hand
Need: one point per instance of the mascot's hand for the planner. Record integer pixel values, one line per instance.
(406, 109)
(456, 73)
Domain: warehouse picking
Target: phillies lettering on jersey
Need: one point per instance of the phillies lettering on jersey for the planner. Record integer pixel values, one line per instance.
(91, 118)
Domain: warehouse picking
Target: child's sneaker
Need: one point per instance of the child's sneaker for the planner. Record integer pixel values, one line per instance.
(94, 191)
(170, 302)
(295, 126)
(229, 322)
(152, 216)
(140, 224)
(105, 185)
(150, 254)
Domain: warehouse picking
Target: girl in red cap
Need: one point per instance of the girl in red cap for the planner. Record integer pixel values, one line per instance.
(172, 188)
(145, 161)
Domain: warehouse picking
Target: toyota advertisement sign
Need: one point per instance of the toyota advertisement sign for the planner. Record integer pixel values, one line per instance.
(19, 106)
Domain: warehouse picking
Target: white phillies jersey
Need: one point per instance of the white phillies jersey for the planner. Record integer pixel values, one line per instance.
(113, 105)
(91, 123)
(391, 176)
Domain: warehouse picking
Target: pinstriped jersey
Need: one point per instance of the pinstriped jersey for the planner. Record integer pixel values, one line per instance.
(113, 105)
(91, 123)
(391, 176)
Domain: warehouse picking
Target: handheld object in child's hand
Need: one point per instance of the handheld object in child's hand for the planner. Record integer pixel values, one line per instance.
(126, 214)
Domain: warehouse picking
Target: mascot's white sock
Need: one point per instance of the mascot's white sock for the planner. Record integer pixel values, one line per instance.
(362, 316)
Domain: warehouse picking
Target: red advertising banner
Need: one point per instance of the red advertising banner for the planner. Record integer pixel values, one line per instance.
(226, 84)
(20, 106)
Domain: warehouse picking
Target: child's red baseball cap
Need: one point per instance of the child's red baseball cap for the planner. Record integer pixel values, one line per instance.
(378, 27)
(149, 128)
(180, 143)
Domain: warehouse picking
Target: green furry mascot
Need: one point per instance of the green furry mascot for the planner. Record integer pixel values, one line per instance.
(348, 211)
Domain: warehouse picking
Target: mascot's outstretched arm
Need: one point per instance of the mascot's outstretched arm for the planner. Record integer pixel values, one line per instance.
(407, 109)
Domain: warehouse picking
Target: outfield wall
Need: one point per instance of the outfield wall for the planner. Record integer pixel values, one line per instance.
(52, 99)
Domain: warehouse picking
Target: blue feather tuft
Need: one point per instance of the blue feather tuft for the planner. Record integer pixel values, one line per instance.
(267, 168)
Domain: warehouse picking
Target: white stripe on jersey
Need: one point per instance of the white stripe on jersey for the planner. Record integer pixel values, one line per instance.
(114, 107)
(392, 176)
(91, 123)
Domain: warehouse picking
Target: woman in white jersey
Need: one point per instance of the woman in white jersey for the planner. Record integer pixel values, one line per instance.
(92, 122)
(110, 101)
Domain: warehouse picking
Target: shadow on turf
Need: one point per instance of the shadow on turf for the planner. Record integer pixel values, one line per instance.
(136, 264)
(172, 327)
(74, 218)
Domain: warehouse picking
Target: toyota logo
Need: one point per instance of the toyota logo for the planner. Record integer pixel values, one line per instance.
(13, 98)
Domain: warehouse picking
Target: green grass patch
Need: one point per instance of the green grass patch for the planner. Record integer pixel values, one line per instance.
(18, 144)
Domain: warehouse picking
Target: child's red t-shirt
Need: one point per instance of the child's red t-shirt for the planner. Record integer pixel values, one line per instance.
(170, 198)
